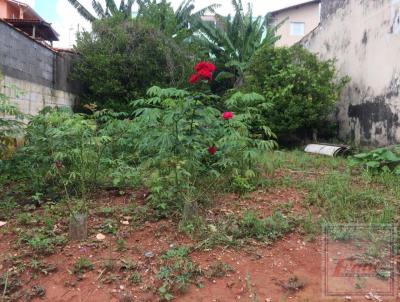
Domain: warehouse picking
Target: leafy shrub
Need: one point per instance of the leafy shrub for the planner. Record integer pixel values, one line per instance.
(119, 59)
(188, 147)
(67, 154)
(241, 185)
(300, 89)
(379, 160)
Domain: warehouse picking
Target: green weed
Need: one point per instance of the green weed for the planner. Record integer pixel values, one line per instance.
(81, 266)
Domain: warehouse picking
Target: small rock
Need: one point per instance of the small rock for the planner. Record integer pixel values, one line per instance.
(347, 298)
(3, 223)
(125, 222)
(100, 237)
(149, 254)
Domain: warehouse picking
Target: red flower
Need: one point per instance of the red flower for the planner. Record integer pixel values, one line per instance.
(205, 74)
(205, 65)
(211, 67)
(193, 79)
(227, 115)
(204, 71)
(212, 150)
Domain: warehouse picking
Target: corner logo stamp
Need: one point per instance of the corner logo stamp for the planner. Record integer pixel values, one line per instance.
(359, 260)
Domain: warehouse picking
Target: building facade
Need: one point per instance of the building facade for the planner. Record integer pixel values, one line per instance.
(296, 21)
(363, 36)
(23, 17)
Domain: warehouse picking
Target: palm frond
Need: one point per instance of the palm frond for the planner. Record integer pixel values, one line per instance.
(98, 9)
(112, 7)
(82, 10)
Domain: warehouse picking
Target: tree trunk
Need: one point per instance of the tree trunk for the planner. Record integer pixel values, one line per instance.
(78, 227)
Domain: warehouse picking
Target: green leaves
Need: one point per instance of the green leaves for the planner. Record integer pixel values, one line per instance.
(177, 128)
(379, 160)
(300, 91)
(233, 41)
(119, 60)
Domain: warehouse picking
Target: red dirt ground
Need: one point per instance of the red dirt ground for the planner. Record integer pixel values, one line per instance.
(260, 271)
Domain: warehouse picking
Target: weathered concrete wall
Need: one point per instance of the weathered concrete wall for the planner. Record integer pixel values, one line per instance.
(39, 73)
(31, 97)
(364, 37)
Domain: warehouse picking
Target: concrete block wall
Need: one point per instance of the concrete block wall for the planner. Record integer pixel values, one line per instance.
(34, 76)
(31, 97)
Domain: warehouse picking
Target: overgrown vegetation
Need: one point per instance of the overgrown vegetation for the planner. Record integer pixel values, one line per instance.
(301, 91)
(156, 148)
(197, 147)
(120, 59)
(233, 40)
(380, 160)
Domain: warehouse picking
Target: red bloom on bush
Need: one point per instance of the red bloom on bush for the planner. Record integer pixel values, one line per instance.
(205, 65)
(205, 74)
(212, 150)
(227, 115)
(193, 79)
(204, 71)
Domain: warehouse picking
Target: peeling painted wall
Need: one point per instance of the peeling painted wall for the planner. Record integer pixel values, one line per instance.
(364, 37)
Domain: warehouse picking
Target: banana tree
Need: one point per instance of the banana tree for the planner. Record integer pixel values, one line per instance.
(111, 9)
(235, 40)
(180, 24)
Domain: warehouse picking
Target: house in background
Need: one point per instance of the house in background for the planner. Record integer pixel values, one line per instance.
(296, 21)
(213, 21)
(24, 18)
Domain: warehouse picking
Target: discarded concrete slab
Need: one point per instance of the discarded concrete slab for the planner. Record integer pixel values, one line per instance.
(327, 149)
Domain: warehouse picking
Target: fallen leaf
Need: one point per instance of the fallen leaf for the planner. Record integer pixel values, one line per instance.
(2, 223)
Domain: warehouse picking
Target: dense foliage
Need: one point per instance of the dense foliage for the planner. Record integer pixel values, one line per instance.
(302, 90)
(379, 160)
(180, 24)
(69, 155)
(189, 147)
(119, 60)
(233, 41)
(178, 144)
